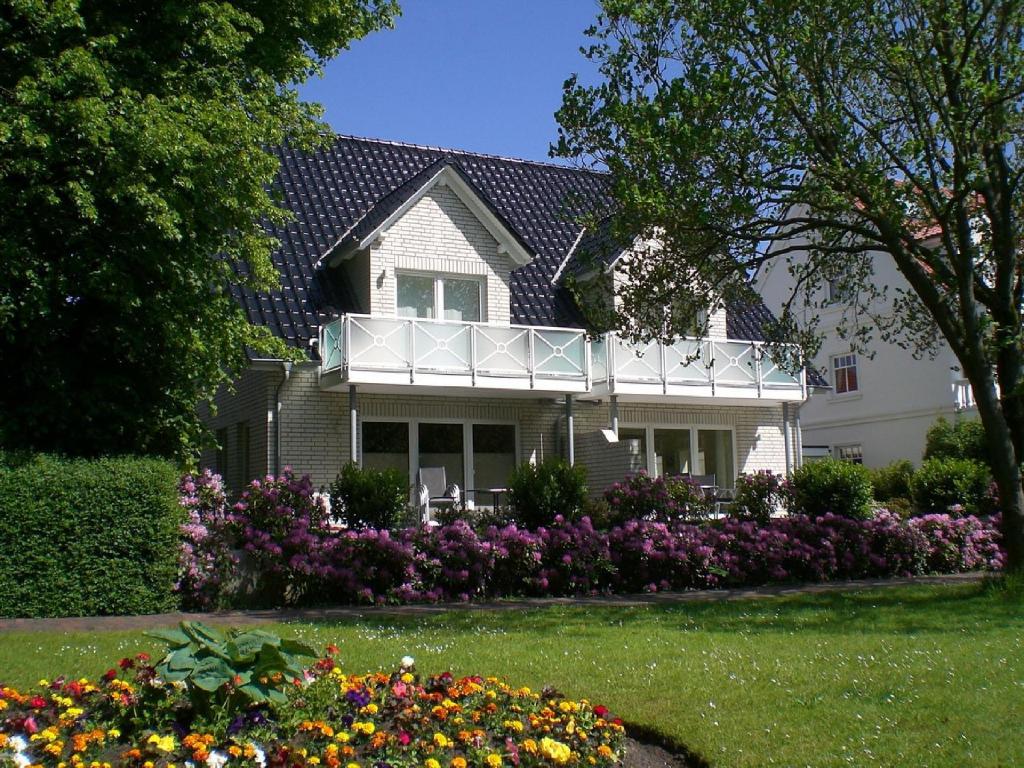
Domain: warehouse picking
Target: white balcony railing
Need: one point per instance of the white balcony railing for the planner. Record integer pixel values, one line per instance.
(691, 367)
(362, 348)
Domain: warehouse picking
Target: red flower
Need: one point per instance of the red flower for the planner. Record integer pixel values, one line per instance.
(110, 674)
(37, 702)
(74, 688)
(404, 738)
(142, 656)
(332, 649)
(126, 663)
(601, 711)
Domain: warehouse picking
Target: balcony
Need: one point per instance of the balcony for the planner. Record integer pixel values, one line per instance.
(690, 368)
(387, 352)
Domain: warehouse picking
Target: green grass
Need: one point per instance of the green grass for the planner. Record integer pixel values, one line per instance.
(916, 676)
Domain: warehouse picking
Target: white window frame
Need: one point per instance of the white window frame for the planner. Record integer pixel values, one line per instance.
(649, 428)
(835, 370)
(858, 447)
(439, 278)
(413, 425)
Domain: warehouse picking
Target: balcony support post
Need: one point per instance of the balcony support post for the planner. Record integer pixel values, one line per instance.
(786, 438)
(569, 432)
(756, 349)
(614, 401)
(353, 426)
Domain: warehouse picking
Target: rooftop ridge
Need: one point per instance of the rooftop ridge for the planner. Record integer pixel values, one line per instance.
(469, 153)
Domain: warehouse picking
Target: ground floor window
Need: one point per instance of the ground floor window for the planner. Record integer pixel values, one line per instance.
(851, 453)
(686, 451)
(474, 455)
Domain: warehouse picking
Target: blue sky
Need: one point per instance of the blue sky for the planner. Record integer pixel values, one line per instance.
(482, 75)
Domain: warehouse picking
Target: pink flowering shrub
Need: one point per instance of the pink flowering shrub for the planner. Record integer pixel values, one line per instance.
(280, 526)
(206, 557)
(662, 499)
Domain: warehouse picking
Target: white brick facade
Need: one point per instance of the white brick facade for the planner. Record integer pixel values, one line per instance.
(439, 234)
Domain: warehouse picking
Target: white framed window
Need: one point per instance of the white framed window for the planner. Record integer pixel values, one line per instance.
(686, 451)
(851, 453)
(835, 293)
(844, 374)
(439, 297)
(475, 454)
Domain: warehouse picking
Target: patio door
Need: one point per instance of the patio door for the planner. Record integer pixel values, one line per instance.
(443, 445)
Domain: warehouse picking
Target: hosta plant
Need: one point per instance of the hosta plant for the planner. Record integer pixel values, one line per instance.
(232, 669)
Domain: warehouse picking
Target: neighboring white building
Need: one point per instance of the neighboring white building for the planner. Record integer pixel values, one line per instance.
(425, 287)
(881, 403)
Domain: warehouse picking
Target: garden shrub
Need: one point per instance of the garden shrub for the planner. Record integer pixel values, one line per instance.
(662, 499)
(955, 486)
(961, 439)
(892, 481)
(538, 493)
(369, 498)
(84, 537)
(832, 486)
(207, 561)
(759, 495)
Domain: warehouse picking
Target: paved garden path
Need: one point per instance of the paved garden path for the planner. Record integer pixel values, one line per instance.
(97, 623)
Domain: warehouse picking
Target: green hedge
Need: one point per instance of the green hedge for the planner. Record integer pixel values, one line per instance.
(86, 537)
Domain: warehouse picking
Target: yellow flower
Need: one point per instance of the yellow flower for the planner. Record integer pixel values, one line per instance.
(352, 765)
(442, 741)
(343, 738)
(494, 760)
(513, 725)
(164, 743)
(605, 751)
(370, 709)
(407, 678)
(431, 763)
(555, 751)
(114, 733)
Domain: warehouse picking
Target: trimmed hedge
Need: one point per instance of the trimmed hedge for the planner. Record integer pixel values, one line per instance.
(86, 537)
(833, 487)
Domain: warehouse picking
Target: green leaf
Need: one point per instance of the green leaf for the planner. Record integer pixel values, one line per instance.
(183, 658)
(244, 648)
(175, 638)
(203, 634)
(211, 673)
(296, 648)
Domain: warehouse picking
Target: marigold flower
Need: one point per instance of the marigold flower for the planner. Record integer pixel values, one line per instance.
(459, 762)
(494, 760)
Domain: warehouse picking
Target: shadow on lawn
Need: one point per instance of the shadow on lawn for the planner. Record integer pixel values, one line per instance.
(912, 610)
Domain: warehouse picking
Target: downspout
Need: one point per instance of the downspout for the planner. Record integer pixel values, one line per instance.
(286, 368)
(786, 438)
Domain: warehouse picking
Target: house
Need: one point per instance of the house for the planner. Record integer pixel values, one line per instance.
(425, 288)
(879, 404)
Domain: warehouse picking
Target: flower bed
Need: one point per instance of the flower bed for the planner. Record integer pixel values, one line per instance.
(294, 558)
(327, 717)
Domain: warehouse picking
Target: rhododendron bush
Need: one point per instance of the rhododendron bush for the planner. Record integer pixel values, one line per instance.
(326, 716)
(278, 529)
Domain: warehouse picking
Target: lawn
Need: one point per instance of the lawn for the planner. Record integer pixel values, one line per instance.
(922, 676)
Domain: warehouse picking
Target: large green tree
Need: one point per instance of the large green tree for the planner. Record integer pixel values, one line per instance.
(135, 185)
(826, 135)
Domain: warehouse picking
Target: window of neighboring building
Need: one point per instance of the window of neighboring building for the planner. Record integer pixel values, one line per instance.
(222, 453)
(835, 293)
(851, 453)
(440, 297)
(844, 372)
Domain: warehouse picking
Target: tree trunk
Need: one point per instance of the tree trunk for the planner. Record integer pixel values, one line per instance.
(1005, 469)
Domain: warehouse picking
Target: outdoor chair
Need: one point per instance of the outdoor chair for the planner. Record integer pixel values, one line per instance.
(435, 492)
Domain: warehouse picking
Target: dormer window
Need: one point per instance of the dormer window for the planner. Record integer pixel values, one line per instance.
(442, 297)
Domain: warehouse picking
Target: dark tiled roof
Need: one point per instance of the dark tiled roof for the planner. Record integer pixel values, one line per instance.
(596, 248)
(344, 191)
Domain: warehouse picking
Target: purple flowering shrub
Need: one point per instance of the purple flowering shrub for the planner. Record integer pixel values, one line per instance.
(759, 495)
(280, 526)
(661, 499)
(206, 558)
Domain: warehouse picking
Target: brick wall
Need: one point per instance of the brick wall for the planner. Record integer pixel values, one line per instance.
(249, 405)
(440, 234)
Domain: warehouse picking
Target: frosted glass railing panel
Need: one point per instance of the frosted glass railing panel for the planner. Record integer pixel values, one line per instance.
(443, 347)
(773, 375)
(637, 362)
(559, 353)
(331, 345)
(379, 343)
(735, 362)
(686, 362)
(502, 351)
(599, 359)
